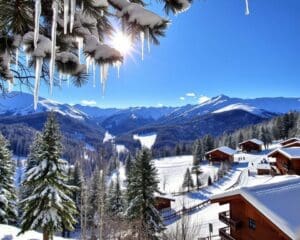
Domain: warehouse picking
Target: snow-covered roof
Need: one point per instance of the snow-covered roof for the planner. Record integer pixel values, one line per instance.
(290, 144)
(253, 140)
(164, 196)
(269, 199)
(224, 149)
(290, 139)
(291, 153)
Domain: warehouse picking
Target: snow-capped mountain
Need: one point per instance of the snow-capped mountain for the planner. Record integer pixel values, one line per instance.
(18, 103)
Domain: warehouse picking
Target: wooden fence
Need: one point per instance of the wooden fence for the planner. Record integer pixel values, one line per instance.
(186, 210)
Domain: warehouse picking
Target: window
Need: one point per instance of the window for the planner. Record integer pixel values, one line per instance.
(251, 223)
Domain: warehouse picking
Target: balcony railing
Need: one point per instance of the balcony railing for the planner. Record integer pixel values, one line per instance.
(225, 218)
(224, 234)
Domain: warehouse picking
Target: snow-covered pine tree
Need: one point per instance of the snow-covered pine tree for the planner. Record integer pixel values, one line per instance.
(197, 152)
(115, 201)
(49, 207)
(8, 212)
(140, 196)
(32, 161)
(188, 180)
(96, 202)
(55, 33)
(128, 164)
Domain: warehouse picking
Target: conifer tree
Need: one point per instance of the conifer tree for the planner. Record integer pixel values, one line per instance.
(49, 208)
(241, 137)
(188, 180)
(141, 188)
(115, 202)
(8, 213)
(197, 152)
(128, 164)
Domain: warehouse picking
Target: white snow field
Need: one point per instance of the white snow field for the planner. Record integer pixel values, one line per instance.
(10, 233)
(146, 140)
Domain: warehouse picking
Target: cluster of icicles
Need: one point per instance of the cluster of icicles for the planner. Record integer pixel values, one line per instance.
(69, 6)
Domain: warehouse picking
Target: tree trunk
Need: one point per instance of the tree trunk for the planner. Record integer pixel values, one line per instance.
(45, 236)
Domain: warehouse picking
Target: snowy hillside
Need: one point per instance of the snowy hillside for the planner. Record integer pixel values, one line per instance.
(22, 104)
(10, 233)
(240, 106)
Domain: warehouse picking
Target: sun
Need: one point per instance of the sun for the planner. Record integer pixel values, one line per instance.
(121, 42)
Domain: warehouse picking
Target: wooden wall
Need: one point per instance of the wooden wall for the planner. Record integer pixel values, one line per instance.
(242, 210)
(218, 156)
(250, 147)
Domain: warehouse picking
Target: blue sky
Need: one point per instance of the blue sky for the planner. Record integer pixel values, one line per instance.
(211, 49)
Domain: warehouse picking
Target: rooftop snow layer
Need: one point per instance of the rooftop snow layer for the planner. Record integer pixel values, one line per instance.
(224, 149)
(254, 140)
(269, 200)
(283, 142)
(288, 152)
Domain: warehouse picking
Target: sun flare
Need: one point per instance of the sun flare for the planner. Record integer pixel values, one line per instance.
(122, 42)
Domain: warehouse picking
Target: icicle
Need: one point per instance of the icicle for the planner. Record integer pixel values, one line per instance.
(79, 40)
(103, 74)
(247, 12)
(118, 65)
(88, 63)
(66, 15)
(102, 13)
(94, 74)
(148, 39)
(38, 10)
(38, 72)
(142, 36)
(82, 5)
(60, 78)
(68, 80)
(72, 17)
(17, 59)
(53, 47)
(10, 82)
(10, 86)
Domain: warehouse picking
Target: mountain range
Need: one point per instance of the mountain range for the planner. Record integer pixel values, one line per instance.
(171, 124)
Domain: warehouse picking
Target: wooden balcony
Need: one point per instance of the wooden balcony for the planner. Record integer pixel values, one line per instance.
(225, 218)
(224, 234)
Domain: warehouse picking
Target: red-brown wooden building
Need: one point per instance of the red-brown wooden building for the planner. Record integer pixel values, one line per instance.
(251, 145)
(163, 202)
(293, 144)
(264, 212)
(287, 160)
(221, 154)
(288, 141)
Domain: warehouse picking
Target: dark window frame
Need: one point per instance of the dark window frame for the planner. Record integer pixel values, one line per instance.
(251, 223)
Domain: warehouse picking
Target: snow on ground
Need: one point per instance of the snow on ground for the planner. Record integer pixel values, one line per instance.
(122, 175)
(198, 222)
(121, 148)
(146, 140)
(20, 169)
(10, 233)
(108, 137)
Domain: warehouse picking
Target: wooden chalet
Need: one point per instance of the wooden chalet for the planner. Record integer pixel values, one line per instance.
(251, 145)
(221, 154)
(263, 167)
(289, 141)
(261, 212)
(293, 144)
(287, 160)
(163, 202)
